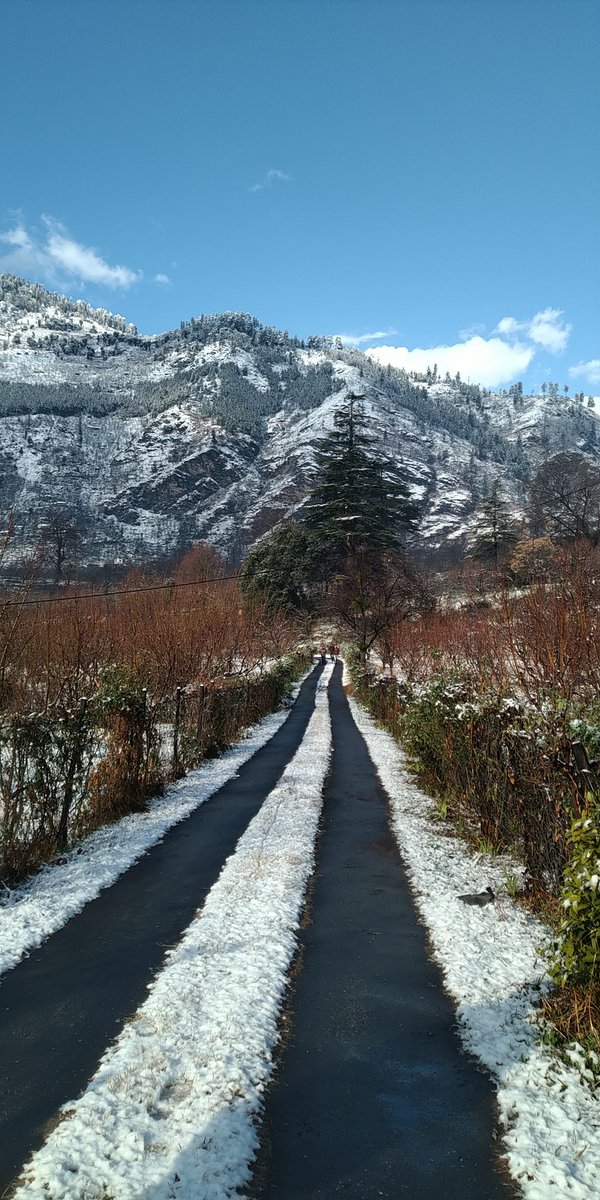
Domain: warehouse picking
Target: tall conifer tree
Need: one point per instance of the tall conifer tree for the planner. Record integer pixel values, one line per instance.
(496, 530)
(358, 500)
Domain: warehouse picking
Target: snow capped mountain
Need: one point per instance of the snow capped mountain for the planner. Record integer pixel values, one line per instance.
(148, 444)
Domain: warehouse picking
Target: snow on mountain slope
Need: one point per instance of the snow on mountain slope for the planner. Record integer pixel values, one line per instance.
(147, 444)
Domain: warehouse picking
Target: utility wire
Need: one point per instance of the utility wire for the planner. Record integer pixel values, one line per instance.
(153, 587)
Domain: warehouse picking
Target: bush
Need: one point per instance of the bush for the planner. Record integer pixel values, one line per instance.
(45, 761)
(85, 682)
(210, 718)
(129, 770)
(63, 774)
(576, 949)
(503, 766)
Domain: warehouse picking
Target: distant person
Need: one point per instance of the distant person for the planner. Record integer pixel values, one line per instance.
(332, 652)
(323, 654)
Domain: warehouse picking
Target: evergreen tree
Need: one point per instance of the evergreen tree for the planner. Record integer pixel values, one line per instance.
(358, 500)
(278, 569)
(496, 530)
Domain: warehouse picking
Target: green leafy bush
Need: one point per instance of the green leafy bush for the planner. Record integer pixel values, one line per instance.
(587, 729)
(576, 950)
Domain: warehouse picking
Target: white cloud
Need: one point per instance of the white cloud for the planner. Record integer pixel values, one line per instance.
(82, 261)
(57, 257)
(590, 370)
(546, 328)
(465, 334)
(18, 237)
(488, 361)
(508, 325)
(359, 339)
(162, 279)
(272, 176)
(494, 360)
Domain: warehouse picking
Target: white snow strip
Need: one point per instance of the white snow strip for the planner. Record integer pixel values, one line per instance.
(47, 901)
(169, 1113)
(492, 967)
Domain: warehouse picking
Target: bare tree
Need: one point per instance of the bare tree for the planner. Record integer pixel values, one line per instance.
(60, 536)
(374, 591)
(565, 498)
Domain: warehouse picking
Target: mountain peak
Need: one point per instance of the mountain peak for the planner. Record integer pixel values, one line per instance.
(20, 297)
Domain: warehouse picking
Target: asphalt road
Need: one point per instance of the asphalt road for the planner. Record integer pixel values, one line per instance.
(62, 1006)
(373, 1096)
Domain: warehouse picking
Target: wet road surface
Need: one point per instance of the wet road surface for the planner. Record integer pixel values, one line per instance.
(62, 1006)
(373, 1096)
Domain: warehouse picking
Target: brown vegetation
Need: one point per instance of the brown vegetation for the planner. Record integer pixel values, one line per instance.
(104, 697)
(535, 643)
(497, 701)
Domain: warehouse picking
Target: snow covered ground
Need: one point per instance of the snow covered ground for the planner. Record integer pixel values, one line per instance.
(29, 914)
(492, 966)
(169, 1113)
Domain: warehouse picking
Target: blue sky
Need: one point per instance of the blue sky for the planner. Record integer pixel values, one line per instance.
(423, 170)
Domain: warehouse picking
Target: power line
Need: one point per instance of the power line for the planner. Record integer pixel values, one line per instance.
(153, 587)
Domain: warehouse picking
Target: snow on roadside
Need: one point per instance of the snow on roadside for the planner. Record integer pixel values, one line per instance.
(492, 966)
(47, 901)
(169, 1113)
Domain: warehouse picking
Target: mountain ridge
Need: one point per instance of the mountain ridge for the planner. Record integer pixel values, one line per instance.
(147, 443)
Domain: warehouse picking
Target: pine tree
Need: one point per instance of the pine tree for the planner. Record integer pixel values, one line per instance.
(496, 530)
(358, 500)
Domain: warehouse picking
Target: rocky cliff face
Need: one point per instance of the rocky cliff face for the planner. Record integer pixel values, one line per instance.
(144, 445)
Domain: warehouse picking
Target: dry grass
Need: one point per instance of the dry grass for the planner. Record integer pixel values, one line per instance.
(574, 1015)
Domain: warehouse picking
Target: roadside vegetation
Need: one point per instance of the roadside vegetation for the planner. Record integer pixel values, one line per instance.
(497, 703)
(103, 700)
